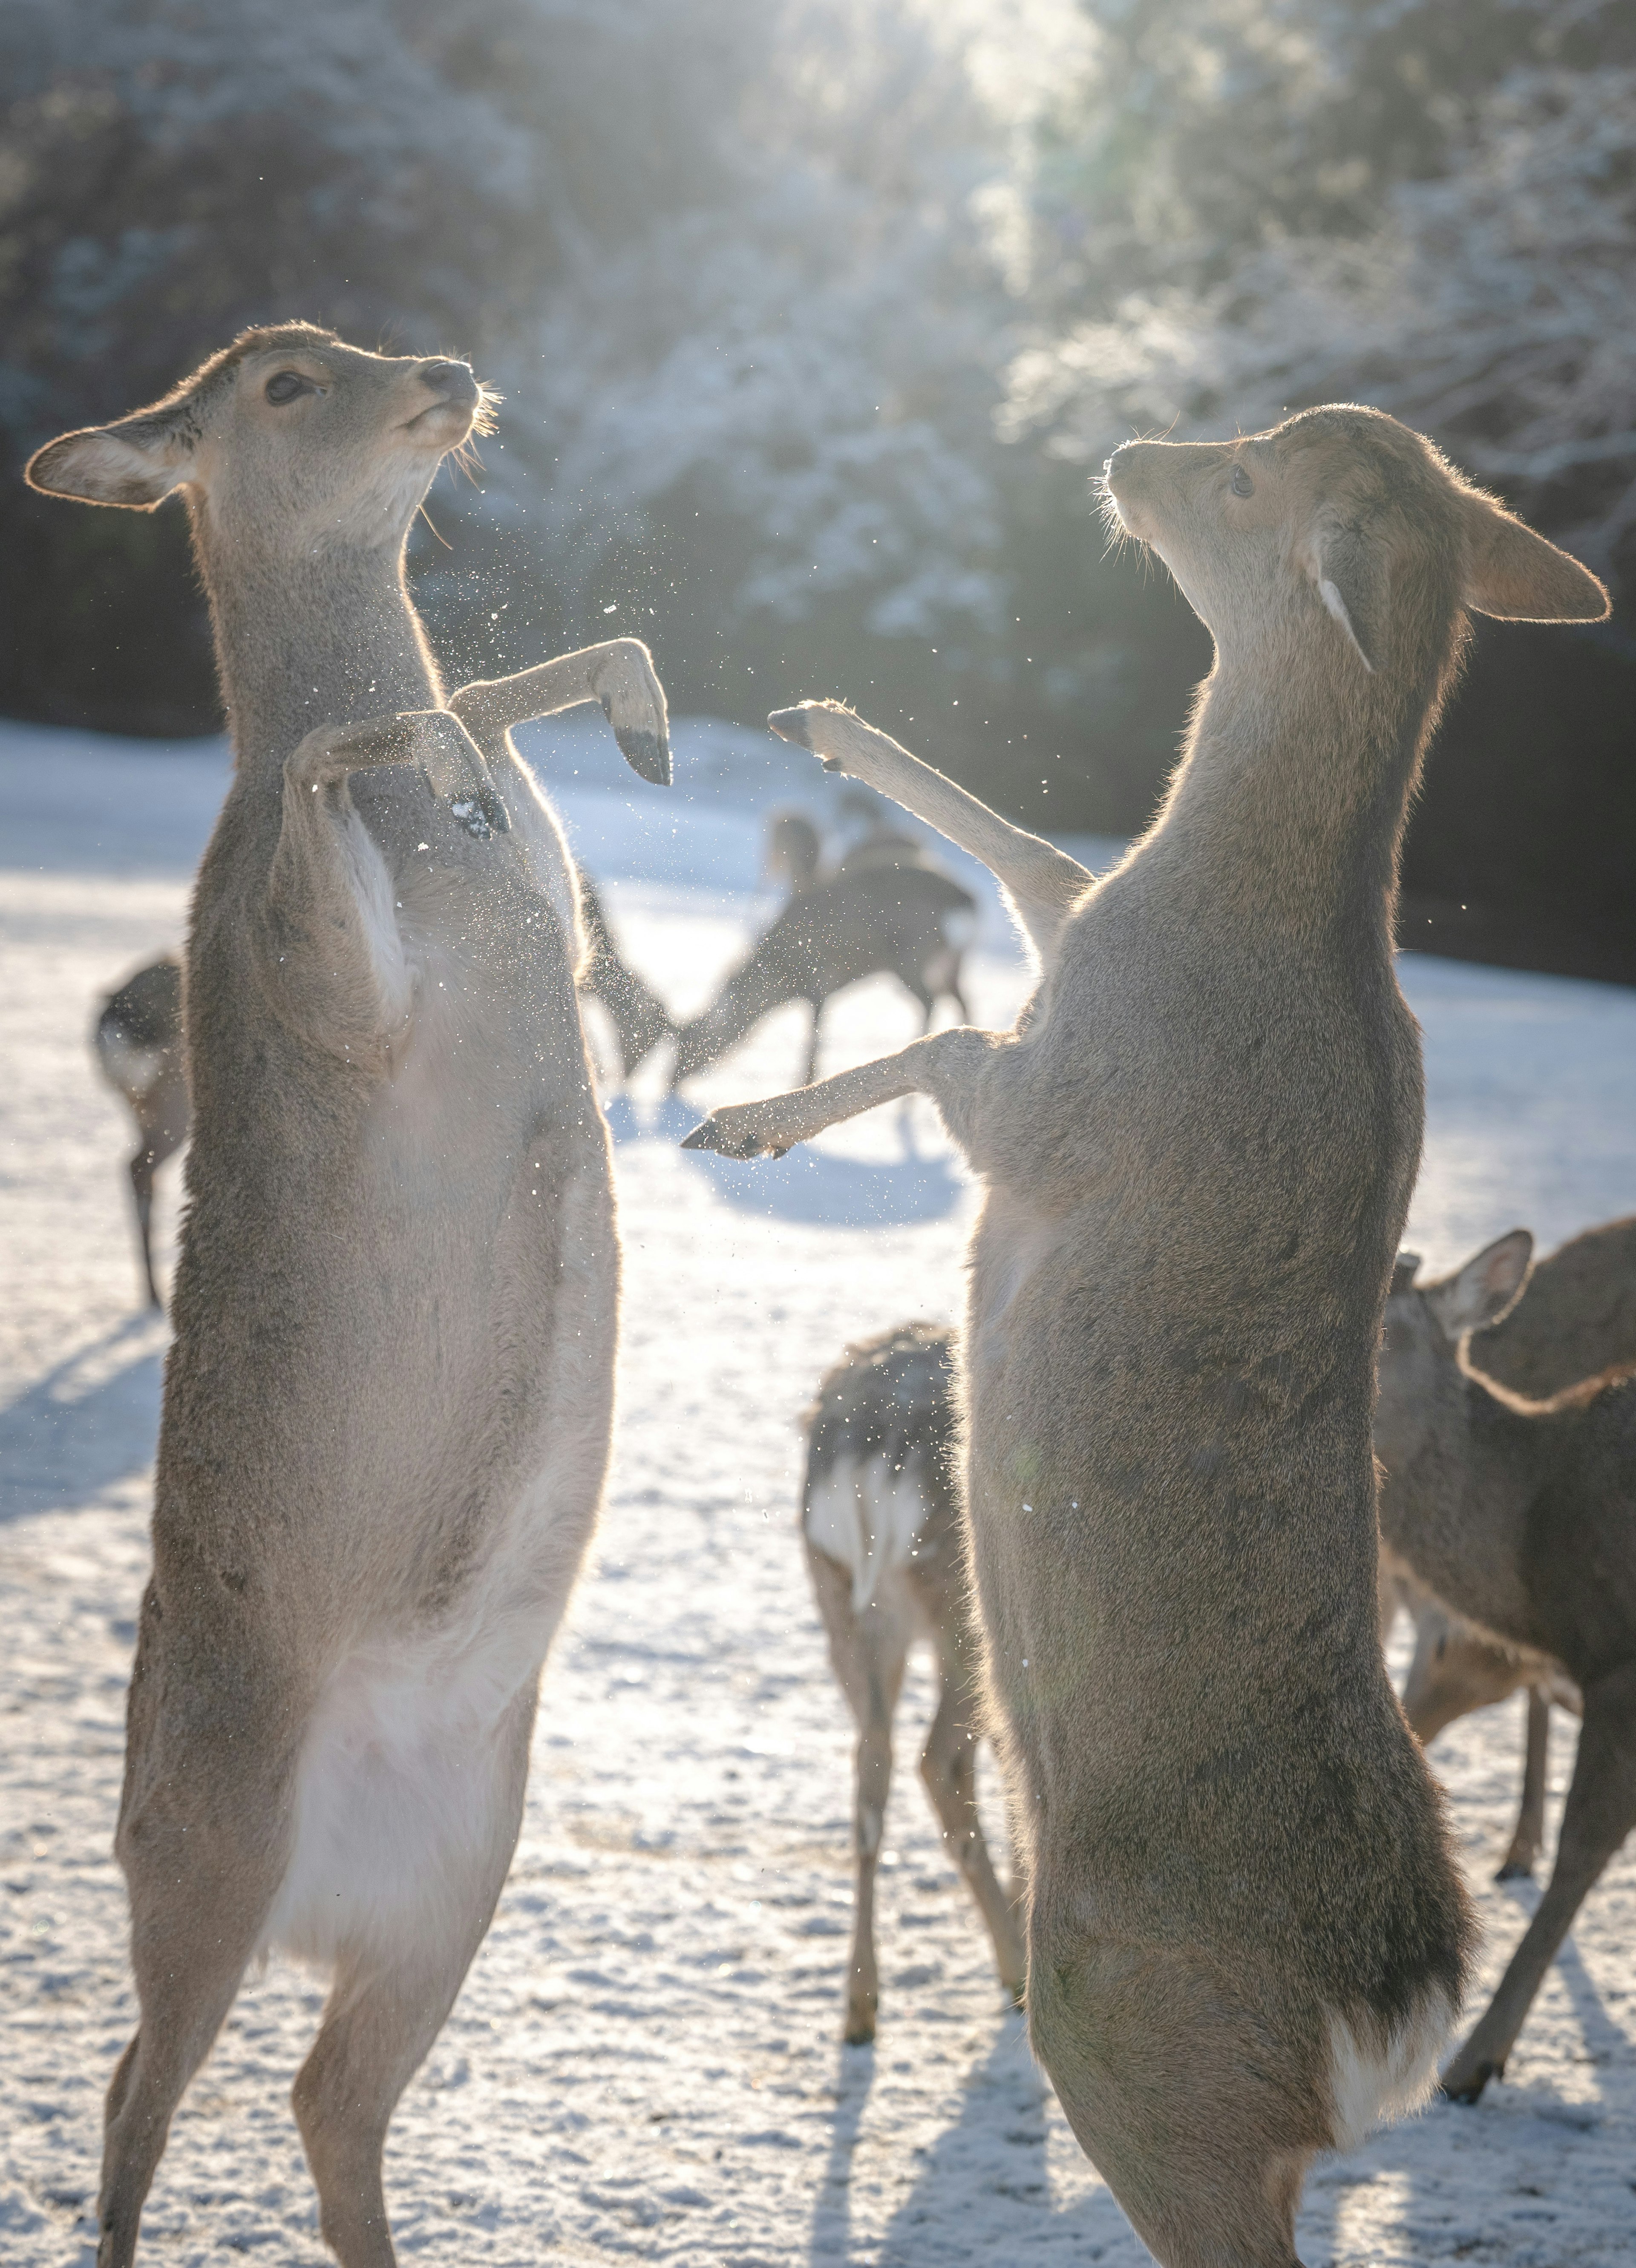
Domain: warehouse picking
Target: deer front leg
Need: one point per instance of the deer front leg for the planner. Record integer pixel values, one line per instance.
(1042, 883)
(326, 935)
(619, 674)
(947, 1066)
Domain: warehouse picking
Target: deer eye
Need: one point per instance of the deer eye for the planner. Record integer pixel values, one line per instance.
(286, 384)
(1240, 483)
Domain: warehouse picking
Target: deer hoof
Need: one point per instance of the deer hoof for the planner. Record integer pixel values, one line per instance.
(792, 724)
(1466, 2086)
(647, 754)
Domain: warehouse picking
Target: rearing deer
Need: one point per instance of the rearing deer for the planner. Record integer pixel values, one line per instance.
(387, 1405)
(1197, 1146)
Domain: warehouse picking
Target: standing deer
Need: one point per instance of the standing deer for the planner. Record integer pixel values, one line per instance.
(1522, 1515)
(137, 1044)
(903, 920)
(387, 1404)
(881, 1524)
(1575, 1319)
(1197, 1148)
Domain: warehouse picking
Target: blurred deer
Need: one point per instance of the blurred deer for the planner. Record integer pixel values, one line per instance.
(137, 1044)
(1197, 1148)
(907, 920)
(1522, 1515)
(388, 1400)
(1576, 1319)
(880, 1522)
(640, 1017)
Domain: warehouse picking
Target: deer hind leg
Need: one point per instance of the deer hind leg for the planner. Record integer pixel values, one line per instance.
(1600, 1812)
(142, 1166)
(201, 1873)
(1042, 883)
(948, 1766)
(396, 1978)
(1529, 1838)
(868, 1649)
(1179, 2096)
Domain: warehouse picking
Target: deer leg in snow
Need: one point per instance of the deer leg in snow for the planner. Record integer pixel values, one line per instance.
(948, 1766)
(812, 1045)
(947, 1066)
(619, 674)
(1526, 1843)
(1042, 883)
(1600, 1813)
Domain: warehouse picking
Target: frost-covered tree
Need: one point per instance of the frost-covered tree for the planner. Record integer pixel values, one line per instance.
(1432, 208)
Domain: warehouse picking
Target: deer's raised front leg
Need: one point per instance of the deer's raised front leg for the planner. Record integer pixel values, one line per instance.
(948, 1066)
(1042, 883)
(326, 935)
(619, 674)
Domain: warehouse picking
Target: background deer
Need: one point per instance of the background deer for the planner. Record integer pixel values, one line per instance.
(1522, 1515)
(387, 1401)
(1197, 1149)
(881, 1523)
(137, 1044)
(1575, 1319)
(903, 919)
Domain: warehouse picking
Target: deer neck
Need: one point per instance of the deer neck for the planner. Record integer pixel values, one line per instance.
(1460, 1514)
(1292, 808)
(330, 638)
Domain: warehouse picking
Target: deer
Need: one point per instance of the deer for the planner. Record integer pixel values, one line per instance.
(1194, 1150)
(881, 1533)
(1521, 1514)
(137, 1041)
(903, 919)
(640, 1017)
(1575, 1319)
(388, 1398)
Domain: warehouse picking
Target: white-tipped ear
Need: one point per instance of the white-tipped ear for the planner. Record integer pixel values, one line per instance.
(1346, 576)
(136, 465)
(1485, 1288)
(1515, 575)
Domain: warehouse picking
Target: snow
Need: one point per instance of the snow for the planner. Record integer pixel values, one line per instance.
(645, 2061)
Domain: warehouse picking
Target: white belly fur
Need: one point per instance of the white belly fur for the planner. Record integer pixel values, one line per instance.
(402, 1795)
(867, 1519)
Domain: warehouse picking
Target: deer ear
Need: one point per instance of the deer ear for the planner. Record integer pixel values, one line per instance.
(1485, 1288)
(1517, 576)
(1347, 577)
(135, 463)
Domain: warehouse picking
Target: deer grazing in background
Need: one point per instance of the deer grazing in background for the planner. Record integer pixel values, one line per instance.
(900, 916)
(137, 1044)
(388, 1403)
(1197, 1148)
(1521, 1515)
(881, 1523)
(1576, 1320)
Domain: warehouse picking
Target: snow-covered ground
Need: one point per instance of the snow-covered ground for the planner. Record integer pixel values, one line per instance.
(645, 2061)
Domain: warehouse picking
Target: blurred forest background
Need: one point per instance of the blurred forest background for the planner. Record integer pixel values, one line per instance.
(814, 317)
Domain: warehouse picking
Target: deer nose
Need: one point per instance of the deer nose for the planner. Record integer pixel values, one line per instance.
(453, 380)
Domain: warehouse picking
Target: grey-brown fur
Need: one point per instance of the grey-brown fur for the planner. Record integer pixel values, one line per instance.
(1575, 1319)
(1197, 1146)
(871, 918)
(885, 1415)
(137, 1044)
(387, 1404)
(640, 1017)
(1522, 1515)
